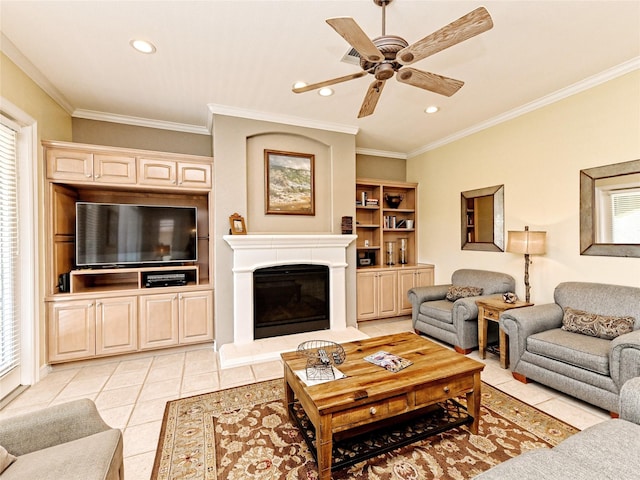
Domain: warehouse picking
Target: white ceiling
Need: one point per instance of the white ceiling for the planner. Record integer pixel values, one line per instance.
(241, 57)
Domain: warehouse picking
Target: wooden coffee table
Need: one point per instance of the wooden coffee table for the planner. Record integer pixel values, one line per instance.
(371, 394)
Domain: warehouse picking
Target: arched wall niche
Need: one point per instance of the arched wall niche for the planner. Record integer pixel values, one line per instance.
(258, 220)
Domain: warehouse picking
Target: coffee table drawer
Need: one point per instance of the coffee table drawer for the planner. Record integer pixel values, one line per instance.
(370, 412)
(443, 390)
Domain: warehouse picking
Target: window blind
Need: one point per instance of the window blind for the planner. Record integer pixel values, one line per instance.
(9, 325)
(625, 216)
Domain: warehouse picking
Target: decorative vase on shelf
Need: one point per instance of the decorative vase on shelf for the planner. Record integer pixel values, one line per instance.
(390, 249)
(404, 254)
(393, 201)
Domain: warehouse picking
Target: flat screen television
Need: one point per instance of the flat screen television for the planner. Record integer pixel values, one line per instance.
(113, 234)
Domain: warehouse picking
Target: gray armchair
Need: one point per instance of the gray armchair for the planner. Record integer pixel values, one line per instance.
(587, 367)
(68, 441)
(456, 322)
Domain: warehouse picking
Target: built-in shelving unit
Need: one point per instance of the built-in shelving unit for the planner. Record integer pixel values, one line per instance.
(386, 215)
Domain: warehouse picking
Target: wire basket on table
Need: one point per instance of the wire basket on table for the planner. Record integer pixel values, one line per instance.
(321, 356)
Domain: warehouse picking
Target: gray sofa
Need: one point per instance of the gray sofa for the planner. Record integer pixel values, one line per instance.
(586, 367)
(68, 441)
(456, 323)
(607, 451)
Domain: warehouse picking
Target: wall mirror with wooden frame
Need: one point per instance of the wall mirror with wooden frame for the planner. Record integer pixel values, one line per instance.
(610, 210)
(482, 219)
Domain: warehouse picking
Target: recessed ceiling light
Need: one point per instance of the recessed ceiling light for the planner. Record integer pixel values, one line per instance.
(299, 85)
(143, 46)
(431, 109)
(325, 92)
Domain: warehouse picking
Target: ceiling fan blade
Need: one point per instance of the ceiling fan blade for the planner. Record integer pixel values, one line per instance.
(467, 26)
(348, 29)
(326, 83)
(429, 81)
(371, 98)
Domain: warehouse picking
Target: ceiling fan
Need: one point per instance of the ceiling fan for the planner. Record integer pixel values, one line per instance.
(388, 54)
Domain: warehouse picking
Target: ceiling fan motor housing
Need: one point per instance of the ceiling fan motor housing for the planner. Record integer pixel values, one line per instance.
(389, 46)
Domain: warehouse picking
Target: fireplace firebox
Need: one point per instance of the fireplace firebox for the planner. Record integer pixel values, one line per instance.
(290, 299)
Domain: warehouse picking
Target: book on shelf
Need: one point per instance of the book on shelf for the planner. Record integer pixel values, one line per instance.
(389, 361)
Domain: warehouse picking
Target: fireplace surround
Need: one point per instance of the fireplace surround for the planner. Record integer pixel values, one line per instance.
(252, 252)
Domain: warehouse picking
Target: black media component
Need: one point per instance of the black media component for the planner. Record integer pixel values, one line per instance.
(164, 279)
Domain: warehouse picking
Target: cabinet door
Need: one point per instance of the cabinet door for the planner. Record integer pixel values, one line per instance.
(158, 320)
(196, 317)
(406, 281)
(69, 165)
(195, 175)
(114, 169)
(367, 295)
(424, 277)
(116, 325)
(71, 330)
(387, 294)
(157, 172)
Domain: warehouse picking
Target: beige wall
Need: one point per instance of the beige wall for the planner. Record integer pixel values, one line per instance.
(129, 136)
(52, 122)
(537, 157)
(239, 178)
(384, 168)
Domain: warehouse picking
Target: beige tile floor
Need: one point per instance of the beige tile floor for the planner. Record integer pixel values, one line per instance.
(131, 392)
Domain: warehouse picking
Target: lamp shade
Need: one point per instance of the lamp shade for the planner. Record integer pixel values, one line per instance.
(527, 242)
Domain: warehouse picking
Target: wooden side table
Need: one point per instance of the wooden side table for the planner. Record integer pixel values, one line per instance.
(489, 310)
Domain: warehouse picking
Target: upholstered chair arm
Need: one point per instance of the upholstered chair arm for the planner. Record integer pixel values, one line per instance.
(624, 357)
(520, 323)
(419, 295)
(52, 426)
(630, 400)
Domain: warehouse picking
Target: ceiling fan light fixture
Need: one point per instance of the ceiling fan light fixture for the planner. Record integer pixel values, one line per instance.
(143, 46)
(325, 92)
(431, 109)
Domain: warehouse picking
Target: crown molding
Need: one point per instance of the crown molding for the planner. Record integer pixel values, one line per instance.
(381, 153)
(217, 109)
(586, 84)
(23, 63)
(140, 122)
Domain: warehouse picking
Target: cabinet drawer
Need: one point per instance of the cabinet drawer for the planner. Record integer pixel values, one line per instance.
(491, 314)
(371, 412)
(441, 391)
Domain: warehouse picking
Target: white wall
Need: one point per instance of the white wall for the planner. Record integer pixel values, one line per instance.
(538, 157)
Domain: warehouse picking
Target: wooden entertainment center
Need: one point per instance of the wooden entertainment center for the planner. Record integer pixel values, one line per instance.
(108, 311)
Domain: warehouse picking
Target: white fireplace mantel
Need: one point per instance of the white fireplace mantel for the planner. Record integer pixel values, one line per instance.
(251, 252)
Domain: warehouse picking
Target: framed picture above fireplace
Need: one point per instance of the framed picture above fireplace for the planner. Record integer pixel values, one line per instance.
(289, 183)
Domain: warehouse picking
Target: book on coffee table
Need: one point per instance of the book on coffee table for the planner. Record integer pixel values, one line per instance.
(387, 360)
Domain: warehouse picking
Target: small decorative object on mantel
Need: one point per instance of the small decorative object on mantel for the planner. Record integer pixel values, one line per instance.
(393, 201)
(509, 297)
(347, 225)
(237, 225)
(321, 355)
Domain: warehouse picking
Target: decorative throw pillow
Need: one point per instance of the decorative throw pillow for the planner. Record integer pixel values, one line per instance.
(594, 325)
(6, 459)
(456, 291)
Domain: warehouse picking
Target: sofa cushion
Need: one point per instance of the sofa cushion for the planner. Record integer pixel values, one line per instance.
(439, 309)
(594, 325)
(455, 292)
(6, 459)
(590, 353)
(88, 458)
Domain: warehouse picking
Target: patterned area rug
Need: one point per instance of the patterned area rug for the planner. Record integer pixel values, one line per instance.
(244, 433)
